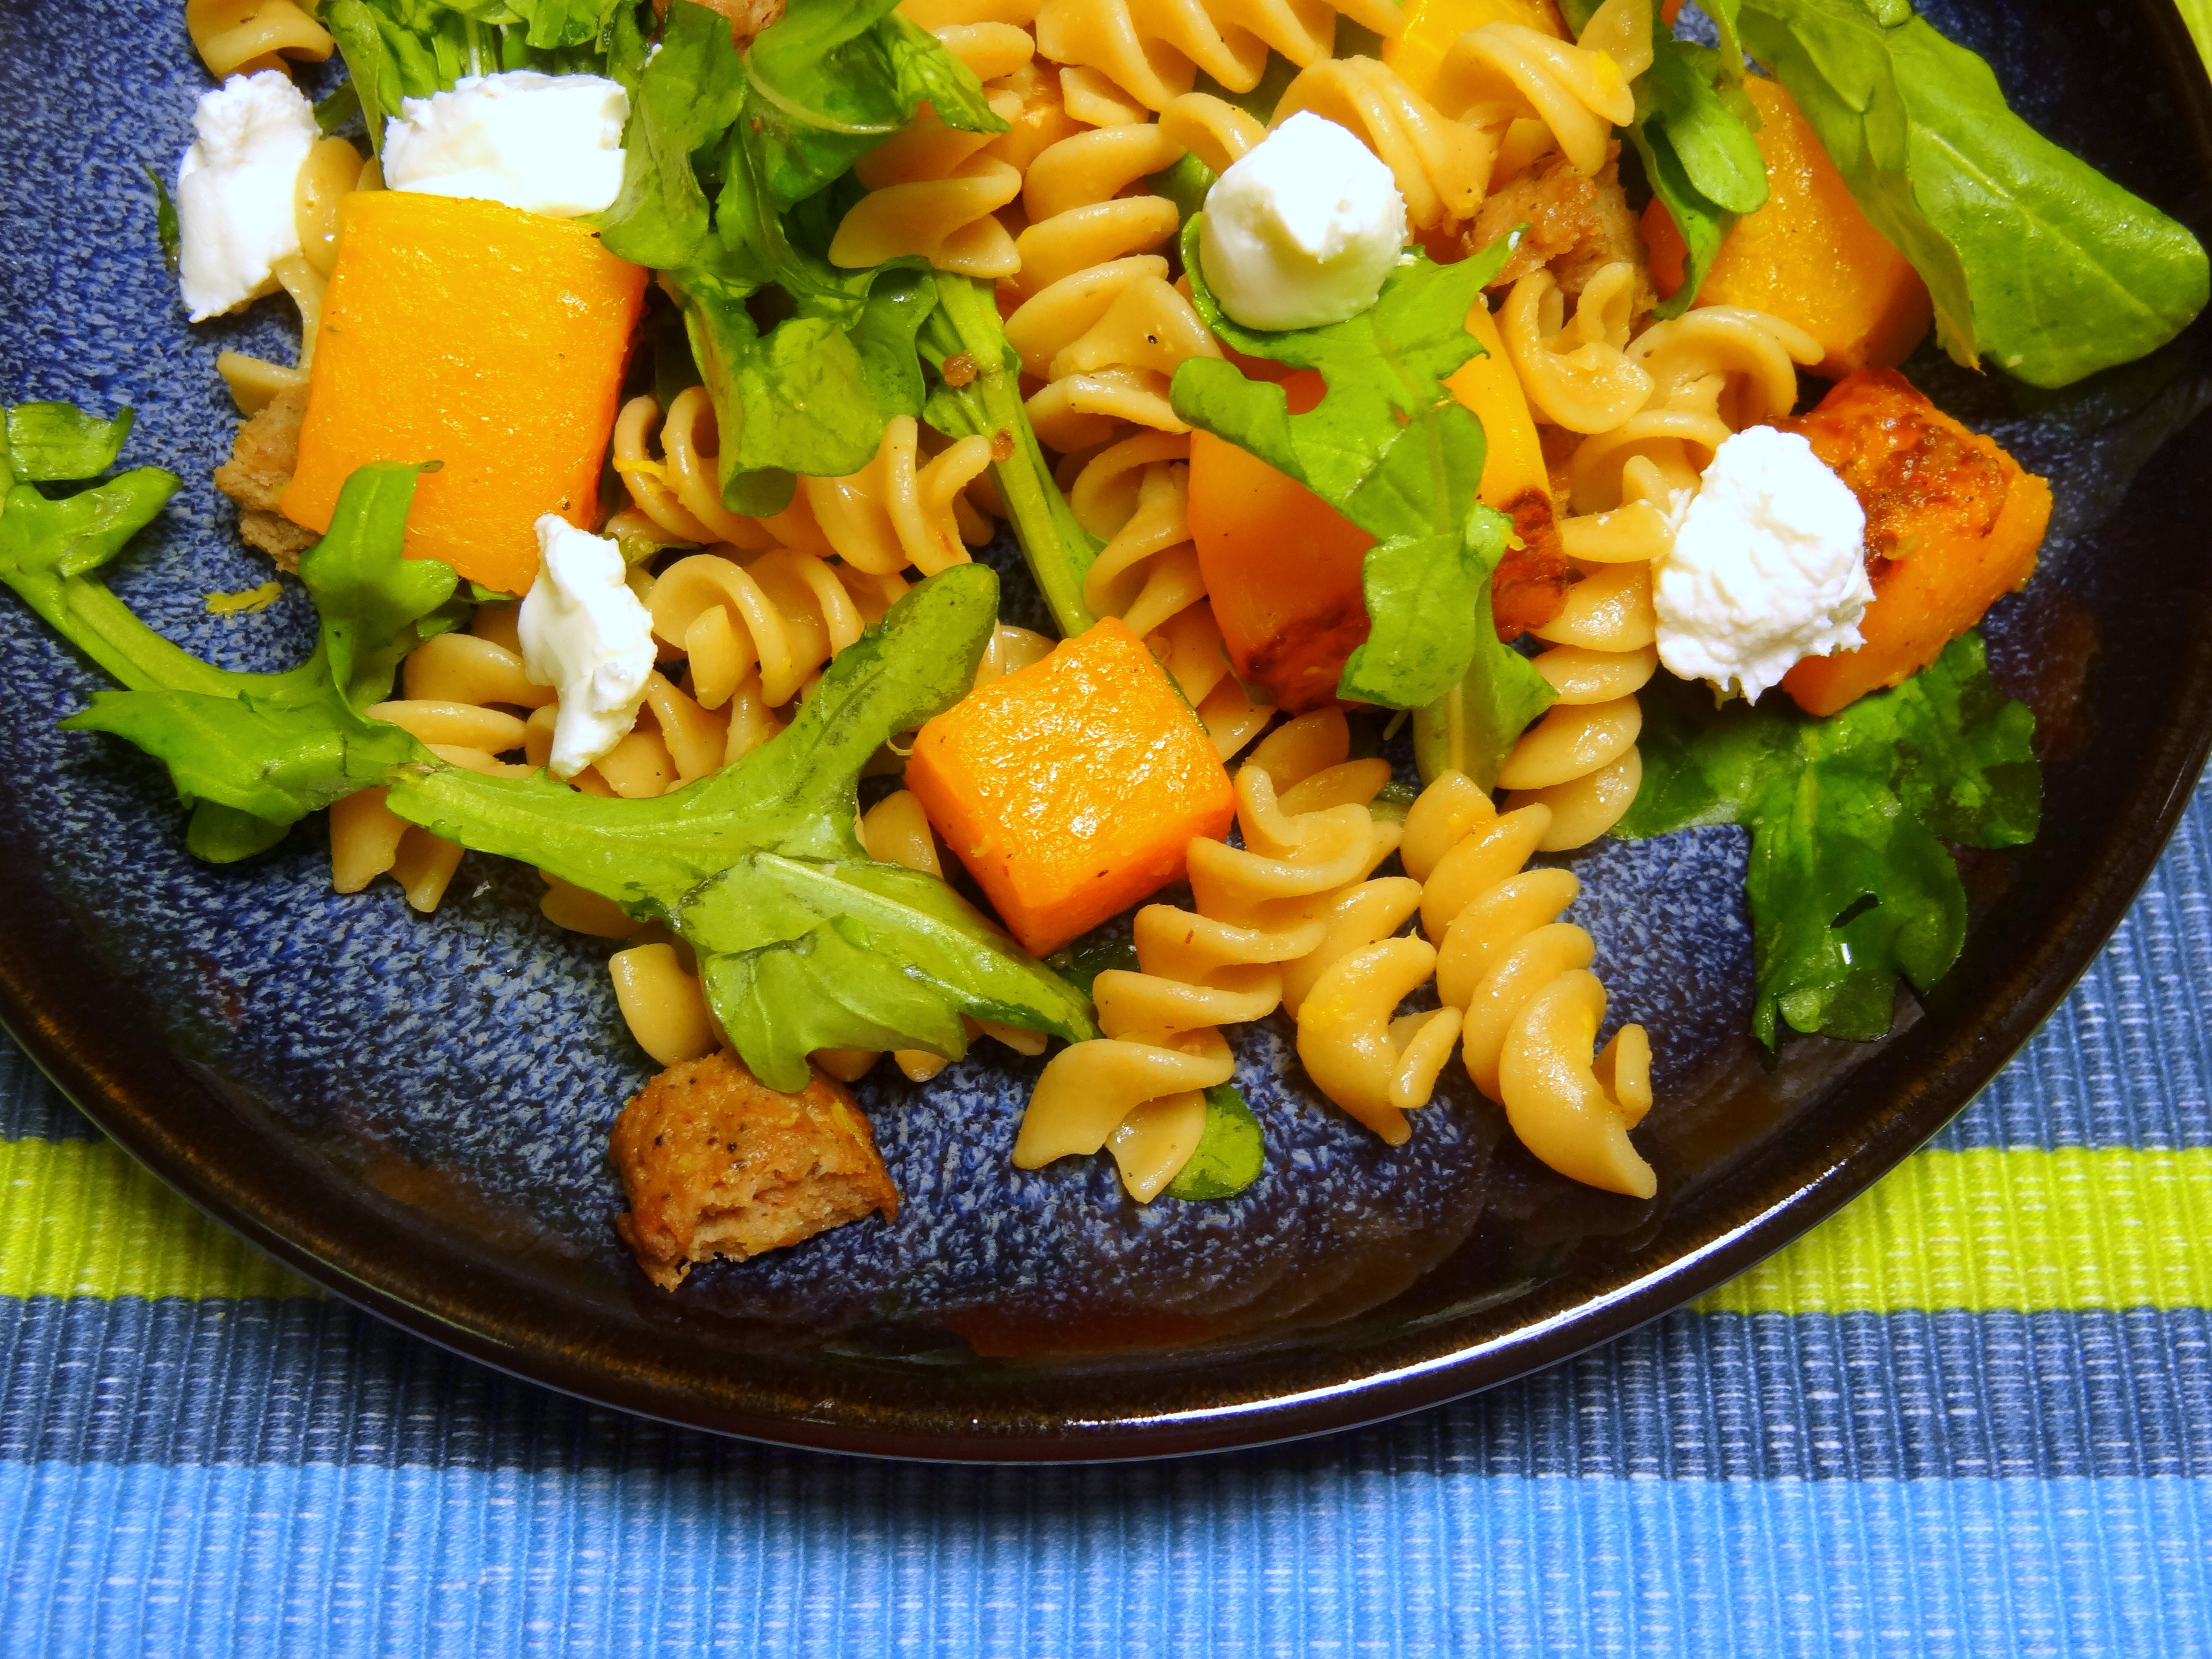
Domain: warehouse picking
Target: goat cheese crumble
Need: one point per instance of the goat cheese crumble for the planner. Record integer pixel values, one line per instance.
(1767, 567)
(235, 188)
(585, 633)
(1302, 231)
(545, 143)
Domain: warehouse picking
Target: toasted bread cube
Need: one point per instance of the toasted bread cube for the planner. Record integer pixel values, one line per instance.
(717, 1164)
(1072, 788)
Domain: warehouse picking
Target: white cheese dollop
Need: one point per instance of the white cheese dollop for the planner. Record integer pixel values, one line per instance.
(1302, 231)
(1767, 567)
(546, 144)
(234, 187)
(585, 633)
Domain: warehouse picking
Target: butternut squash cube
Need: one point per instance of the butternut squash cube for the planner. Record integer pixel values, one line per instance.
(1072, 788)
(1952, 523)
(1809, 256)
(473, 334)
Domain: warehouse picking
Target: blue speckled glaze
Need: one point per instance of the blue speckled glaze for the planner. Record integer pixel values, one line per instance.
(484, 1044)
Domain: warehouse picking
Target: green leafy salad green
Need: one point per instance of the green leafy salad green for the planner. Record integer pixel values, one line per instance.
(1850, 886)
(1389, 447)
(2036, 260)
(803, 942)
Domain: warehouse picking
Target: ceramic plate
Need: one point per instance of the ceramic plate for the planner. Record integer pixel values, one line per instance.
(413, 1111)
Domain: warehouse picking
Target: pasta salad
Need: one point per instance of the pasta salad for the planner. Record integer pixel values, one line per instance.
(1434, 437)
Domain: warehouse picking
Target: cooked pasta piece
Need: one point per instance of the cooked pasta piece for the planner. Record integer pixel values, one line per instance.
(1106, 341)
(935, 190)
(1578, 374)
(1153, 49)
(1441, 165)
(240, 37)
(1504, 72)
(899, 509)
(1521, 978)
(1078, 215)
(1212, 128)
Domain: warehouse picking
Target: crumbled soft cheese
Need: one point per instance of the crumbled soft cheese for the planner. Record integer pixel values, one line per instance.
(585, 633)
(1301, 232)
(1767, 567)
(235, 188)
(547, 143)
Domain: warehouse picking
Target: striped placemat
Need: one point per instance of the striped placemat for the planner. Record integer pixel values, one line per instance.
(1971, 1415)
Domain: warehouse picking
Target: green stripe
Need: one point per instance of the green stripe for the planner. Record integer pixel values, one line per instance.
(2025, 1229)
(2021, 1229)
(79, 1218)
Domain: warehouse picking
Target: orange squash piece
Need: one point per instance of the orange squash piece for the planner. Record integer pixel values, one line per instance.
(1283, 566)
(481, 336)
(1072, 788)
(1953, 522)
(1809, 256)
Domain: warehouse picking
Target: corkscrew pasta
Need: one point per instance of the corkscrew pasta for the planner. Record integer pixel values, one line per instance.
(1106, 343)
(1580, 92)
(1153, 49)
(1079, 215)
(1520, 976)
(241, 37)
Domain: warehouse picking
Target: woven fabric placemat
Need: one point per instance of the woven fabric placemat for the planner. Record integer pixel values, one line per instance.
(1971, 1415)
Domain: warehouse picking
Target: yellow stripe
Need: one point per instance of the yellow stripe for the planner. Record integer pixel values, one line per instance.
(78, 1218)
(2105, 1227)
(2111, 1227)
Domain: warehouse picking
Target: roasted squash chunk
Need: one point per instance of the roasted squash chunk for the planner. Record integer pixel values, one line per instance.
(1073, 788)
(487, 339)
(717, 1164)
(1809, 256)
(1952, 523)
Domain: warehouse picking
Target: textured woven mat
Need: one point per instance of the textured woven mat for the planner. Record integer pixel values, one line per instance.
(1972, 1415)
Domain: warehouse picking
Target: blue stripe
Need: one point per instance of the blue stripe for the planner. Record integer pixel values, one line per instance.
(1698, 1396)
(1209, 1556)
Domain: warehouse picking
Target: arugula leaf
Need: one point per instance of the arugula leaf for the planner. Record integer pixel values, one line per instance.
(168, 230)
(1230, 1149)
(2036, 261)
(803, 942)
(1693, 130)
(395, 49)
(1390, 448)
(685, 98)
(832, 79)
(57, 443)
(1849, 884)
(1059, 551)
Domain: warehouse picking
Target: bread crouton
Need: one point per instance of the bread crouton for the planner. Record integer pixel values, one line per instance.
(747, 17)
(716, 1163)
(261, 461)
(1576, 227)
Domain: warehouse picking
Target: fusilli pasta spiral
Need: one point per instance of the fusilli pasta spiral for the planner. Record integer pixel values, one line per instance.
(240, 37)
(1078, 218)
(1521, 978)
(1711, 372)
(1153, 49)
(1106, 341)
(1502, 72)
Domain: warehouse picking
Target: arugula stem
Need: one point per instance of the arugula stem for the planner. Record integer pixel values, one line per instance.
(1059, 551)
